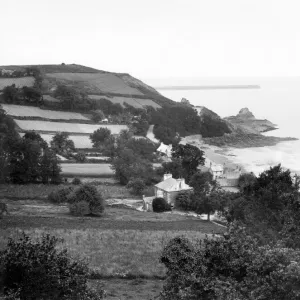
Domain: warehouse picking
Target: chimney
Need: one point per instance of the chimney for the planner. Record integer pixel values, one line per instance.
(181, 183)
(167, 176)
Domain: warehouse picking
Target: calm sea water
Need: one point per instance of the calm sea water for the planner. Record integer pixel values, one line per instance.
(277, 100)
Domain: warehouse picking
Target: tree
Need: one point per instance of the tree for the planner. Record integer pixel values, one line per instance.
(31, 95)
(86, 200)
(80, 157)
(8, 137)
(137, 186)
(269, 207)
(62, 145)
(246, 182)
(202, 182)
(50, 168)
(232, 266)
(183, 201)
(191, 157)
(11, 94)
(24, 161)
(174, 167)
(36, 269)
(128, 165)
(34, 136)
(98, 116)
(99, 136)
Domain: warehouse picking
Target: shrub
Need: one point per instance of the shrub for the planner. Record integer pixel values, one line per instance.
(76, 181)
(86, 193)
(80, 157)
(160, 205)
(183, 201)
(80, 208)
(37, 270)
(60, 195)
(136, 186)
(232, 266)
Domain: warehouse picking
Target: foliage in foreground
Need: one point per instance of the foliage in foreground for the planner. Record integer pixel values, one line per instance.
(269, 206)
(37, 270)
(232, 267)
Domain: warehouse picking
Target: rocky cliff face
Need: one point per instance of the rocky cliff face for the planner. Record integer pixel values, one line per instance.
(245, 122)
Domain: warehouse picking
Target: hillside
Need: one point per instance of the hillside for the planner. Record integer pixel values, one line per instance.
(66, 97)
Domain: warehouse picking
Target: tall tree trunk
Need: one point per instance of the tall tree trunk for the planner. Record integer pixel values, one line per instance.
(208, 217)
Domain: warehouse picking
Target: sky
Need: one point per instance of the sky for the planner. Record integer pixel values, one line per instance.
(156, 39)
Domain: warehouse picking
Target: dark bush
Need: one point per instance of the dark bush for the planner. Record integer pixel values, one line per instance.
(86, 193)
(37, 270)
(76, 181)
(60, 195)
(183, 201)
(160, 205)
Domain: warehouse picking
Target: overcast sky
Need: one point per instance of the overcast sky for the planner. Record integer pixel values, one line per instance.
(156, 38)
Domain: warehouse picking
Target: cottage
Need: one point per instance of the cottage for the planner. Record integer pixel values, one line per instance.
(170, 187)
(165, 150)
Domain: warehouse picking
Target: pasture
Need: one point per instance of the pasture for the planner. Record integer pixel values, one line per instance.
(122, 247)
(87, 170)
(135, 102)
(46, 126)
(80, 141)
(19, 82)
(30, 111)
(104, 82)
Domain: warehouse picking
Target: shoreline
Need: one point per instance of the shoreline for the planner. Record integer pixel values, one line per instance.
(251, 157)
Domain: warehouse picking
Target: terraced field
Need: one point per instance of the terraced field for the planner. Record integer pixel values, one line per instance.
(135, 102)
(80, 141)
(49, 127)
(19, 82)
(104, 82)
(30, 111)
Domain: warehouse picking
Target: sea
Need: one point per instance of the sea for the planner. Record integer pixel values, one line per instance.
(274, 99)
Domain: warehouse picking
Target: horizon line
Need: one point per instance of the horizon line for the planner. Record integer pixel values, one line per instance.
(208, 87)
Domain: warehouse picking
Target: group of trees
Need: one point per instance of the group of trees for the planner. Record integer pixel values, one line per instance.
(182, 120)
(130, 158)
(26, 159)
(24, 95)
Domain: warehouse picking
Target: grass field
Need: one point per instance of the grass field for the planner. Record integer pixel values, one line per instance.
(107, 186)
(136, 102)
(104, 82)
(87, 170)
(66, 127)
(80, 142)
(30, 111)
(120, 245)
(19, 82)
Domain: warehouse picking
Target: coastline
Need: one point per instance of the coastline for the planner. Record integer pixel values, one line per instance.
(252, 156)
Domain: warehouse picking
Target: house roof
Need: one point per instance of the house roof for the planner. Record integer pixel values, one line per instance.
(217, 168)
(172, 184)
